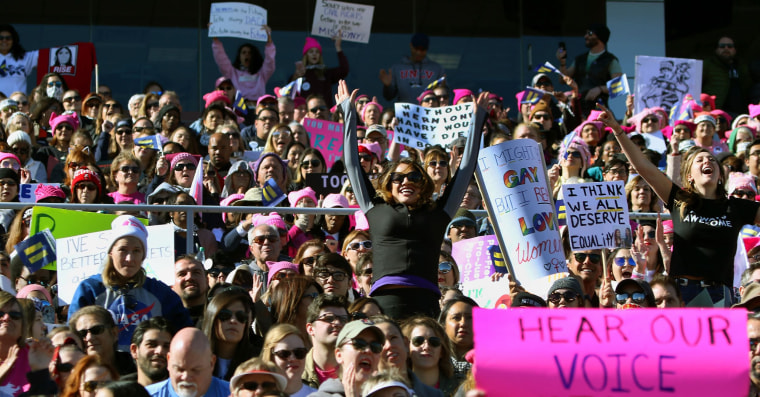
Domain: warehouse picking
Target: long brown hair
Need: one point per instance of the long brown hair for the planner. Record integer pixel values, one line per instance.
(444, 362)
(427, 185)
(245, 348)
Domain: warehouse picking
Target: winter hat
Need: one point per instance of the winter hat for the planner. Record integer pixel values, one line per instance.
(128, 226)
(214, 96)
(707, 98)
(541, 106)
(298, 195)
(221, 80)
(24, 292)
(5, 155)
(45, 191)
(526, 299)
(9, 173)
(228, 201)
(691, 126)
(460, 93)
(719, 113)
(739, 119)
(569, 282)
(362, 96)
(364, 109)
(601, 31)
(272, 219)
(18, 136)
(594, 115)
(740, 180)
(164, 110)
(462, 216)
(298, 101)
(643, 284)
(275, 267)
(264, 98)
(423, 95)
(175, 158)
(371, 148)
(579, 145)
(257, 164)
(68, 118)
(335, 200)
(704, 116)
(538, 78)
(750, 243)
(637, 118)
(311, 43)
(598, 124)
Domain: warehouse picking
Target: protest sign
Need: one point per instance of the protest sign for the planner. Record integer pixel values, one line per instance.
(271, 193)
(513, 179)
(592, 352)
(476, 268)
(36, 250)
(421, 127)
(239, 20)
(662, 82)
(597, 215)
(82, 256)
(353, 21)
(324, 184)
(327, 137)
(26, 191)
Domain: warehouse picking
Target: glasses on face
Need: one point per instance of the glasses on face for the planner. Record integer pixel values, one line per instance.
(576, 155)
(542, 116)
(146, 129)
(362, 345)
(439, 163)
(8, 182)
(9, 164)
(64, 127)
(278, 134)
(365, 157)
(299, 353)
(589, 33)
(91, 386)
(3, 38)
(92, 104)
(569, 296)
(20, 150)
(308, 261)
(96, 330)
(443, 98)
(86, 186)
(269, 119)
(63, 367)
(225, 315)
(580, 257)
(362, 101)
(753, 342)
(72, 99)
(636, 297)
(185, 166)
(430, 99)
(413, 177)
(112, 106)
(624, 260)
(14, 315)
(54, 84)
(152, 105)
(616, 171)
(27, 222)
(743, 194)
(316, 109)
(444, 267)
(649, 120)
(367, 271)
(544, 83)
(355, 246)
(337, 276)
(331, 318)
(284, 275)
(313, 163)
(725, 45)
(253, 386)
(124, 132)
(433, 341)
(108, 93)
(129, 168)
(272, 238)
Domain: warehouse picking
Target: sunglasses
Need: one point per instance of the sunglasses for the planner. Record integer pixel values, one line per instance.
(273, 238)
(650, 234)
(743, 193)
(54, 84)
(252, 386)
(309, 261)
(337, 276)
(92, 104)
(430, 99)
(284, 275)
(636, 297)
(367, 272)
(86, 186)
(569, 296)
(542, 116)
(72, 99)
(20, 150)
(358, 316)
(316, 109)
(64, 126)
(225, 315)
(96, 330)
(6, 38)
(129, 168)
(433, 341)
(330, 318)
(299, 353)
(185, 166)
(581, 257)
(362, 102)
(267, 119)
(413, 177)
(439, 163)
(725, 45)
(112, 105)
(93, 385)
(14, 315)
(444, 267)
(313, 163)
(64, 367)
(278, 134)
(361, 345)
(649, 120)
(146, 129)
(365, 157)
(753, 342)
(152, 105)
(622, 261)
(355, 246)
(443, 98)
(124, 132)
(577, 155)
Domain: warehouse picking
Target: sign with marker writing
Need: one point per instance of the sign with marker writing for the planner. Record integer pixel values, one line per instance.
(592, 352)
(239, 20)
(475, 270)
(353, 21)
(82, 256)
(324, 184)
(327, 137)
(420, 127)
(514, 183)
(597, 215)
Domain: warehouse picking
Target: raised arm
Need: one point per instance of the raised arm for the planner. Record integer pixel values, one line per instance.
(221, 59)
(362, 189)
(659, 182)
(268, 67)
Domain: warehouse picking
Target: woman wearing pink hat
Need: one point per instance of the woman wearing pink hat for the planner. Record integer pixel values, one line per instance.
(62, 126)
(249, 72)
(318, 80)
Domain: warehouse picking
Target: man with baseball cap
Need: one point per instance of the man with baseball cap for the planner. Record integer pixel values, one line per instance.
(633, 294)
(407, 79)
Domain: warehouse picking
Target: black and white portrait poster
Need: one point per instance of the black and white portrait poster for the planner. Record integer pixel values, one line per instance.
(663, 82)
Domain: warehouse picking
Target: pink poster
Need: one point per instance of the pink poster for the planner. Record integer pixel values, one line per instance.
(327, 137)
(593, 352)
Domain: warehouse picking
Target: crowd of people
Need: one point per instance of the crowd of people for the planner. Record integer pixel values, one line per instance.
(356, 305)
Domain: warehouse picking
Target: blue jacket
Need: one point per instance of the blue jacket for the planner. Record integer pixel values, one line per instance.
(217, 388)
(130, 306)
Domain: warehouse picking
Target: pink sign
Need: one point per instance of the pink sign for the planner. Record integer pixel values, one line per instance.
(593, 352)
(327, 137)
(473, 258)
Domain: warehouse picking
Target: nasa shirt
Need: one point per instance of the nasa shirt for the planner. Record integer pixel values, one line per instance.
(13, 72)
(75, 62)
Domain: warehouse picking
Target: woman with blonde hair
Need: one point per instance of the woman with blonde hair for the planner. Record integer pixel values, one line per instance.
(285, 347)
(278, 140)
(437, 167)
(125, 174)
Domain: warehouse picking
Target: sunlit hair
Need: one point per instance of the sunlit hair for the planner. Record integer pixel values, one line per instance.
(427, 185)
(389, 375)
(654, 202)
(352, 236)
(16, 232)
(437, 153)
(688, 195)
(444, 362)
(124, 157)
(8, 299)
(306, 245)
(286, 297)
(81, 155)
(275, 335)
(112, 278)
(269, 147)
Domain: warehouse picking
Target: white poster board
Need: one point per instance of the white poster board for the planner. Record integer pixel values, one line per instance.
(514, 183)
(476, 269)
(597, 215)
(420, 127)
(240, 20)
(663, 82)
(353, 21)
(82, 256)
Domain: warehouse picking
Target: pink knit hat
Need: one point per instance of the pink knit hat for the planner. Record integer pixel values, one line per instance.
(214, 96)
(45, 191)
(228, 201)
(740, 180)
(719, 113)
(70, 119)
(460, 93)
(273, 219)
(4, 155)
(334, 200)
(637, 118)
(311, 43)
(298, 195)
(275, 267)
(175, 158)
(364, 109)
(24, 292)
(424, 94)
(371, 148)
(707, 99)
(580, 145)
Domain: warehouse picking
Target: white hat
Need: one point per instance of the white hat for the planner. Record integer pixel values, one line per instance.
(236, 380)
(387, 384)
(18, 136)
(128, 226)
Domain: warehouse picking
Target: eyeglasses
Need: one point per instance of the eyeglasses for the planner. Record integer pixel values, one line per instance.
(365, 157)
(316, 109)
(725, 45)
(330, 318)
(252, 386)
(92, 104)
(124, 132)
(743, 193)
(273, 238)
(650, 120)
(278, 134)
(542, 116)
(22, 150)
(753, 342)
(589, 33)
(240, 316)
(367, 271)
(64, 126)
(430, 99)
(284, 275)
(433, 341)
(337, 276)
(54, 84)
(569, 296)
(6, 38)
(63, 367)
(96, 330)
(617, 171)
(112, 106)
(439, 163)
(355, 246)
(72, 99)
(129, 168)
(313, 163)
(361, 345)
(185, 166)
(93, 385)
(581, 257)
(636, 297)
(299, 353)
(576, 155)
(152, 105)
(362, 101)
(309, 261)
(444, 267)
(624, 260)
(8, 182)
(86, 186)
(10, 109)
(146, 129)
(269, 119)
(413, 177)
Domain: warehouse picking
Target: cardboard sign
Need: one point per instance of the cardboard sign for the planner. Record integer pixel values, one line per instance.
(85, 255)
(353, 21)
(327, 137)
(592, 352)
(421, 127)
(26, 191)
(514, 183)
(239, 20)
(597, 215)
(324, 184)
(662, 82)
(476, 268)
